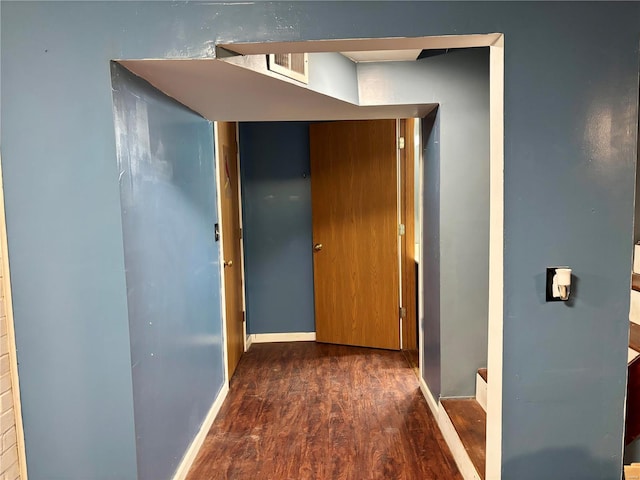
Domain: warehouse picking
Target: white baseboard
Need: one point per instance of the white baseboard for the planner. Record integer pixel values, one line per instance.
(194, 448)
(433, 405)
(460, 455)
(282, 337)
(481, 392)
(248, 341)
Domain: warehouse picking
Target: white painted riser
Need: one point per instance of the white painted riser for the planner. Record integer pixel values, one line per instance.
(634, 313)
(481, 392)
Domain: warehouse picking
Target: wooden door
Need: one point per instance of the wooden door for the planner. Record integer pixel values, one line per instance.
(229, 205)
(354, 199)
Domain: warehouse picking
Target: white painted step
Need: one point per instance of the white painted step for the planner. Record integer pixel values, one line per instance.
(634, 311)
(481, 391)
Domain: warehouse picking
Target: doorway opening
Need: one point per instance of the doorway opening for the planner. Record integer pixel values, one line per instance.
(322, 229)
(166, 74)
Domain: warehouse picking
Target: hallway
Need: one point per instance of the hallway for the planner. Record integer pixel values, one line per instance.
(317, 411)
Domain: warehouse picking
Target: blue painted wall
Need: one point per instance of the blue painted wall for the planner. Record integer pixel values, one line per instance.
(459, 83)
(169, 208)
(66, 254)
(571, 72)
(335, 75)
(430, 254)
(277, 230)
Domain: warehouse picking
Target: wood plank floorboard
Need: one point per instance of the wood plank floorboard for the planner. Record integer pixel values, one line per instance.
(307, 410)
(413, 357)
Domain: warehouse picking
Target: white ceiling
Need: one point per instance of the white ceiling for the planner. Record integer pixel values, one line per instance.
(222, 91)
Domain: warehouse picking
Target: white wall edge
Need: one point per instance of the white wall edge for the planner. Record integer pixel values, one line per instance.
(282, 337)
(496, 260)
(196, 444)
(460, 455)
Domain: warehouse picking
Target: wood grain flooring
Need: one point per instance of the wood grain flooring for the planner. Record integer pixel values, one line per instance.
(413, 358)
(315, 411)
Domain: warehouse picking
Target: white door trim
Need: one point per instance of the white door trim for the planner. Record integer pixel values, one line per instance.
(242, 271)
(496, 259)
(223, 298)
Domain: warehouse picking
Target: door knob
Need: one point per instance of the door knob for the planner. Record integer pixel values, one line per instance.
(228, 264)
(317, 247)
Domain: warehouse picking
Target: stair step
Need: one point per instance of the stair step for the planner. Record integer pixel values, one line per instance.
(470, 422)
(635, 282)
(483, 373)
(632, 472)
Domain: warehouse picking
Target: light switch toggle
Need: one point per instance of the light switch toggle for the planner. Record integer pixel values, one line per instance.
(558, 284)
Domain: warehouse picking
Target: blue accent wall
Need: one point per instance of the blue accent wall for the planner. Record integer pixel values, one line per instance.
(168, 201)
(430, 254)
(277, 230)
(571, 96)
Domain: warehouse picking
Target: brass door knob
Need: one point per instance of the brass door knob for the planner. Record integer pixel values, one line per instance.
(317, 247)
(228, 264)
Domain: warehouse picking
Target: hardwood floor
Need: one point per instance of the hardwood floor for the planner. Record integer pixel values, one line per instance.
(413, 358)
(316, 411)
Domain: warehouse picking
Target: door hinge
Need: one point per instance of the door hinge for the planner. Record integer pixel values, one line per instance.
(403, 312)
(401, 229)
(244, 316)
(241, 234)
(401, 143)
